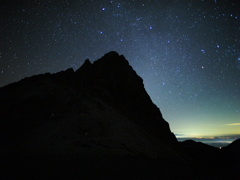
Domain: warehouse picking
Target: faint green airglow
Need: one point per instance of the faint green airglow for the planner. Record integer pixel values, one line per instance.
(234, 124)
(205, 125)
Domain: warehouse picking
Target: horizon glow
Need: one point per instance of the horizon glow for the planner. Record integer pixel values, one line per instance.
(186, 52)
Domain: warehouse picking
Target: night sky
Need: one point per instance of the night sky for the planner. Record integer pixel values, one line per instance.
(186, 51)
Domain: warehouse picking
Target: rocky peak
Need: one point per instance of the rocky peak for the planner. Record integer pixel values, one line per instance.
(115, 81)
(94, 90)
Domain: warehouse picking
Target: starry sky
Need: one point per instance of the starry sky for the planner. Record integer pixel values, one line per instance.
(186, 51)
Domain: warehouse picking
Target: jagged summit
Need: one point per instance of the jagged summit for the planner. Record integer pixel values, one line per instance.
(112, 73)
(110, 63)
(111, 55)
(104, 99)
(95, 121)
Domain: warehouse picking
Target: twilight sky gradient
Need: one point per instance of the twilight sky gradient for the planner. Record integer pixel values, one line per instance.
(186, 51)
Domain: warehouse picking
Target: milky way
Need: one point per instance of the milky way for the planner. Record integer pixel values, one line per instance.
(186, 51)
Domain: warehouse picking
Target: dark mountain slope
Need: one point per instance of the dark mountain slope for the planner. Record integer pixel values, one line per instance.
(117, 83)
(97, 122)
(232, 152)
(102, 106)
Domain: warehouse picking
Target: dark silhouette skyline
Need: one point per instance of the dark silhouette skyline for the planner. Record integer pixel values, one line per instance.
(98, 122)
(186, 52)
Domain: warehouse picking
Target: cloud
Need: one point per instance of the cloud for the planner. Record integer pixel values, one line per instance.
(234, 124)
(179, 134)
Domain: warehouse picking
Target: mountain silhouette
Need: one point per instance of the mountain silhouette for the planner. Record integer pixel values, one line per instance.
(91, 102)
(95, 122)
(232, 152)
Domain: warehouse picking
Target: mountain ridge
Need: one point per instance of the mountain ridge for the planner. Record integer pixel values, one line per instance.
(107, 86)
(97, 121)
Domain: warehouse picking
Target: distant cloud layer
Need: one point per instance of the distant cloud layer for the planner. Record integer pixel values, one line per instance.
(234, 124)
